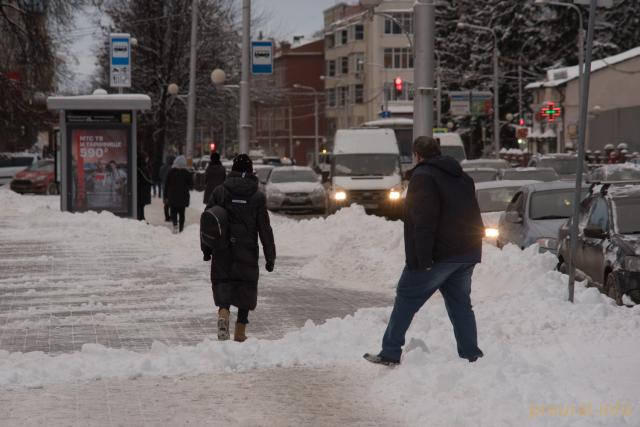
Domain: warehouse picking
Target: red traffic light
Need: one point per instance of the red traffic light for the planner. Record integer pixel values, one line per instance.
(521, 122)
(399, 84)
(212, 147)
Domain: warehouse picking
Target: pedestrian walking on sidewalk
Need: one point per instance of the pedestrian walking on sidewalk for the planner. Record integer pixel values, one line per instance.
(235, 271)
(443, 233)
(143, 185)
(214, 176)
(164, 172)
(179, 183)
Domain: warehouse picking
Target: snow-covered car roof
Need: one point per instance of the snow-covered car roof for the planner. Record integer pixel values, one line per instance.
(471, 163)
(626, 191)
(472, 169)
(507, 183)
(553, 185)
(555, 156)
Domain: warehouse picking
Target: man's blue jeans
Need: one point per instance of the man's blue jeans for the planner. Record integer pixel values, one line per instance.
(415, 288)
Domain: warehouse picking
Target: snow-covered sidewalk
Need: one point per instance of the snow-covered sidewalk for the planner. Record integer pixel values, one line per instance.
(547, 362)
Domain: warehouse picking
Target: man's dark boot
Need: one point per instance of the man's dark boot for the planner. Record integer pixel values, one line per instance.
(379, 360)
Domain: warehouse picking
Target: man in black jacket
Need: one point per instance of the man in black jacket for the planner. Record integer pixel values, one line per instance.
(234, 271)
(443, 233)
(214, 176)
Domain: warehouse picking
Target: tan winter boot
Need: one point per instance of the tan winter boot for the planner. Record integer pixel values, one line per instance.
(239, 332)
(223, 324)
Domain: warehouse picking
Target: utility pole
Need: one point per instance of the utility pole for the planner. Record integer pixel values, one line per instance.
(191, 108)
(582, 131)
(424, 30)
(291, 155)
(245, 125)
(439, 89)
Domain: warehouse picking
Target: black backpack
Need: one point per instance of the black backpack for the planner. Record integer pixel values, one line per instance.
(214, 228)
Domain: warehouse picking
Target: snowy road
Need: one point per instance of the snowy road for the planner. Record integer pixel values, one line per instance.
(105, 321)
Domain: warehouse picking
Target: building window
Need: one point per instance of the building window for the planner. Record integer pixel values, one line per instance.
(359, 30)
(399, 58)
(330, 41)
(358, 94)
(342, 95)
(344, 36)
(405, 19)
(357, 62)
(344, 65)
(331, 68)
(331, 98)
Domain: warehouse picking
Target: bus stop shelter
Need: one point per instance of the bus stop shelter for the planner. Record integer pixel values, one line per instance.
(97, 151)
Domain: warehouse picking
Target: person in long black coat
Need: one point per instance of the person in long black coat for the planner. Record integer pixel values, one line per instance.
(164, 172)
(179, 183)
(143, 187)
(235, 271)
(214, 176)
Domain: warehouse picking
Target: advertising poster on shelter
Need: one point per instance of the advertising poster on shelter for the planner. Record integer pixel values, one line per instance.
(100, 166)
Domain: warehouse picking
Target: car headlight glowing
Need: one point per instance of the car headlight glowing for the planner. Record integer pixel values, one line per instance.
(394, 195)
(340, 196)
(631, 263)
(491, 233)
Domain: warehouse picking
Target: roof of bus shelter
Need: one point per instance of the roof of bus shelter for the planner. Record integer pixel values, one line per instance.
(100, 102)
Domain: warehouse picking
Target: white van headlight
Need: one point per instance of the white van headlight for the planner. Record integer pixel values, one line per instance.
(340, 196)
(491, 233)
(394, 195)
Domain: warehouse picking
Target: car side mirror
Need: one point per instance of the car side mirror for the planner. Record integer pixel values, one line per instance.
(595, 232)
(514, 217)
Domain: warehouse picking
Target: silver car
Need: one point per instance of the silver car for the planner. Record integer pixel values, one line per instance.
(536, 213)
(295, 188)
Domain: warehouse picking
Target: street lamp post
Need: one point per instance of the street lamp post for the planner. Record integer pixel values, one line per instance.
(496, 71)
(191, 109)
(424, 35)
(245, 125)
(317, 120)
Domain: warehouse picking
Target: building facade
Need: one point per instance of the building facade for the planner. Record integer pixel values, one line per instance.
(367, 48)
(285, 115)
(614, 105)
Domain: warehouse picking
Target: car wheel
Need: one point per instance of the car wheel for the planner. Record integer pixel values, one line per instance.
(52, 189)
(613, 289)
(562, 267)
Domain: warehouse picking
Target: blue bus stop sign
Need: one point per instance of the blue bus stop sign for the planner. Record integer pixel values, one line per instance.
(261, 57)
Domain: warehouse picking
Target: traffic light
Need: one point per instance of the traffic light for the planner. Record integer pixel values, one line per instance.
(212, 147)
(521, 121)
(399, 85)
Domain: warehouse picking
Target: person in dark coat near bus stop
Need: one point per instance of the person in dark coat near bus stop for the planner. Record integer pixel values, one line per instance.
(143, 186)
(176, 190)
(443, 234)
(164, 172)
(214, 176)
(235, 271)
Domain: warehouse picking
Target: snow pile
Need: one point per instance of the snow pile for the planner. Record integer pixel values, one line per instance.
(350, 248)
(539, 349)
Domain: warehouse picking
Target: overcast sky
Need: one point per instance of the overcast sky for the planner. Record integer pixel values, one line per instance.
(285, 19)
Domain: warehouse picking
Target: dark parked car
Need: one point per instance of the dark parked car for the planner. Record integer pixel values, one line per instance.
(608, 242)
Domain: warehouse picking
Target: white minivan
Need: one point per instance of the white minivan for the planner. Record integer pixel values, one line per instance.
(365, 170)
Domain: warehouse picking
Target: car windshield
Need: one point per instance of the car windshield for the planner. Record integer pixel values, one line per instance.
(365, 164)
(280, 176)
(482, 176)
(561, 166)
(627, 214)
(608, 173)
(552, 204)
(454, 151)
(495, 199)
(533, 175)
(263, 174)
(21, 161)
(42, 166)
